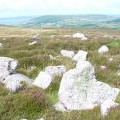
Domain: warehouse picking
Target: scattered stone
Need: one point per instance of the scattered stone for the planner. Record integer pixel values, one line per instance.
(67, 36)
(81, 55)
(36, 37)
(103, 67)
(80, 35)
(43, 80)
(33, 43)
(1, 45)
(8, 75)
(55, 70)
(67, 53)
(15, 81)
(80, 90)
(118, 73)
(103, 49)
(7, 66)
(111, 59)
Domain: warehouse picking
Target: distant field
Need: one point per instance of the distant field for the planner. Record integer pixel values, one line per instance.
(32, 103)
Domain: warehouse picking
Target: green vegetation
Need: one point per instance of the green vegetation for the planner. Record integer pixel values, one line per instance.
(115, 43)
(33, 103)
(74, 21)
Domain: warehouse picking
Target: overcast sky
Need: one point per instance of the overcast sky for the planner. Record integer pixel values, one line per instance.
(12, 8)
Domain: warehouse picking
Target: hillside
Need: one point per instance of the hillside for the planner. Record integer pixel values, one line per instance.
(73, 21)
(32, 102)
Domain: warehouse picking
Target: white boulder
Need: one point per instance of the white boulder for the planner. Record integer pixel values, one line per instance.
(81, 55)
(33, 43)
(55, 70)
(103, 49)
(67, 53)
(80, 35)
(43, 80)
(13, 82)
(80, 90)
(7, 66)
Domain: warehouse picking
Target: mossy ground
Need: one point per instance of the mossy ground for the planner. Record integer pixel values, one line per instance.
(33, 103)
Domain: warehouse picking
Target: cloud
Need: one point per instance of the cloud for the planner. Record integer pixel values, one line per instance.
(35, 7)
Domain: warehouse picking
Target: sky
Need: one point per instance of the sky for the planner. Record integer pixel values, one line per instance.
(13, 8)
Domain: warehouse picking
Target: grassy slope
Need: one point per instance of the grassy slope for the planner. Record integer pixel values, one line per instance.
(33, 103)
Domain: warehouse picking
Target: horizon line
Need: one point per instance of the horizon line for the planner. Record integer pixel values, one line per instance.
(60, 15)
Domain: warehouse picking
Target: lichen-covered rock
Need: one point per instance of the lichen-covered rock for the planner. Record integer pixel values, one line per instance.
(80, 90)
(103, 49)
(7, 66)
(14, 82)
(55, 70)
(43, 80)
(67, 53)
(81, 55)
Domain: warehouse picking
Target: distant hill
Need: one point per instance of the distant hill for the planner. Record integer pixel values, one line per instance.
(65, 21)
(73, 21)
(116, 20)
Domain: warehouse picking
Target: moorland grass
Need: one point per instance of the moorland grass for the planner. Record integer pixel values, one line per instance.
(33, 103)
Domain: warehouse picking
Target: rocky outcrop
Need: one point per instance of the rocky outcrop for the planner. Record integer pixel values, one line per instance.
(80, 90)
